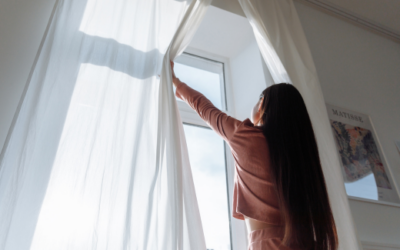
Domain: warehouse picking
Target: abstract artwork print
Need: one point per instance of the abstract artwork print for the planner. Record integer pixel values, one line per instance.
(359, 154)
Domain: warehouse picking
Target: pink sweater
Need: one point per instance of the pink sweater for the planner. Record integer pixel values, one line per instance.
(254, 195)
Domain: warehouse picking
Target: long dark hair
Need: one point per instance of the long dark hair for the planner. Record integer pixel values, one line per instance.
(296, 168)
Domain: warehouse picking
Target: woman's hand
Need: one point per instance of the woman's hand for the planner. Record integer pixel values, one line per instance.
(175, 80)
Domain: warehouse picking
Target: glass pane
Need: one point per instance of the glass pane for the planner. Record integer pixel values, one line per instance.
(207, 159)
(206, 82)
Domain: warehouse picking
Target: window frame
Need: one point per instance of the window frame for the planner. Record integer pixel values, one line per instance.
(207, 64)
(227, 100)
(238, 231)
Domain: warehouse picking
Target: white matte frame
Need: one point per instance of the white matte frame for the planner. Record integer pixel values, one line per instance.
(238, 231)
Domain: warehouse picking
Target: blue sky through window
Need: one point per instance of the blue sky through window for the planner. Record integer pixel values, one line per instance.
(207, 160)
(206, 82)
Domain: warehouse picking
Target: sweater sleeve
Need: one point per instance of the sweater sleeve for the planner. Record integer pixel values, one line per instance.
(220, 122)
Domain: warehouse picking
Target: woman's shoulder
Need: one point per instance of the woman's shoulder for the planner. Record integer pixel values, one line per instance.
(249, 133)
(248, 124)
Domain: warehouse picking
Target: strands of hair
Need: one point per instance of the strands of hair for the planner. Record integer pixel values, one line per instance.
(296, 167)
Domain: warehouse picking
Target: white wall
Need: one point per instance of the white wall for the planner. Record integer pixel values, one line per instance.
(22, 25)
(230, 36)
(248, 79)
(360, 70)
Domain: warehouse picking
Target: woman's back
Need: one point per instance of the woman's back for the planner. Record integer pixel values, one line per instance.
(254, 191)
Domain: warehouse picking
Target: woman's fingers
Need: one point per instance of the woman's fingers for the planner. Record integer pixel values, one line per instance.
(172, 69)
(172, 65)
(175, 80)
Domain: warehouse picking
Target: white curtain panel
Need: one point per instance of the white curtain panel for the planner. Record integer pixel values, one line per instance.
(284, 47)
(96, 156)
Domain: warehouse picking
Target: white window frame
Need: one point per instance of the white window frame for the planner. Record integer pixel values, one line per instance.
(238, 232)
(207, 64)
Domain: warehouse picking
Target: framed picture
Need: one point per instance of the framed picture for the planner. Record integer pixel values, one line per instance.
(365, 171)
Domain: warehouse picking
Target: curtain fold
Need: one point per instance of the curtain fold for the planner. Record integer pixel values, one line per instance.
(186, 211)
(285, 50)
(96, 156)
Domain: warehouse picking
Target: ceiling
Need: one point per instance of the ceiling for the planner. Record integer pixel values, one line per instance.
(383, 12)
(381, 16)
(222, 33)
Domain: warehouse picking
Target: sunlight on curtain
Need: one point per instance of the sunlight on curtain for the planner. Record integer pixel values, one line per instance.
(285, 50)
(108, 135)
(119, 20)
(96, 157)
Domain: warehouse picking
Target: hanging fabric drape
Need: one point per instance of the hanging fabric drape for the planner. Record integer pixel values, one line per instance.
(285, 50)
(96, 156)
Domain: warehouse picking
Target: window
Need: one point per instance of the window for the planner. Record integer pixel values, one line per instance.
(204, 75)
(207, 151)
(207, 160)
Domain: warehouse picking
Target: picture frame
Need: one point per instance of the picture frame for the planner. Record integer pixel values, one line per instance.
(365, 170)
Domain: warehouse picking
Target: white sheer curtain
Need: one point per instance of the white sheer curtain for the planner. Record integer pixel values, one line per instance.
(96, 156)
(284, 47)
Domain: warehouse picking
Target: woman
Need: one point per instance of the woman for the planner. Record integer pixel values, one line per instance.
(279, 186)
